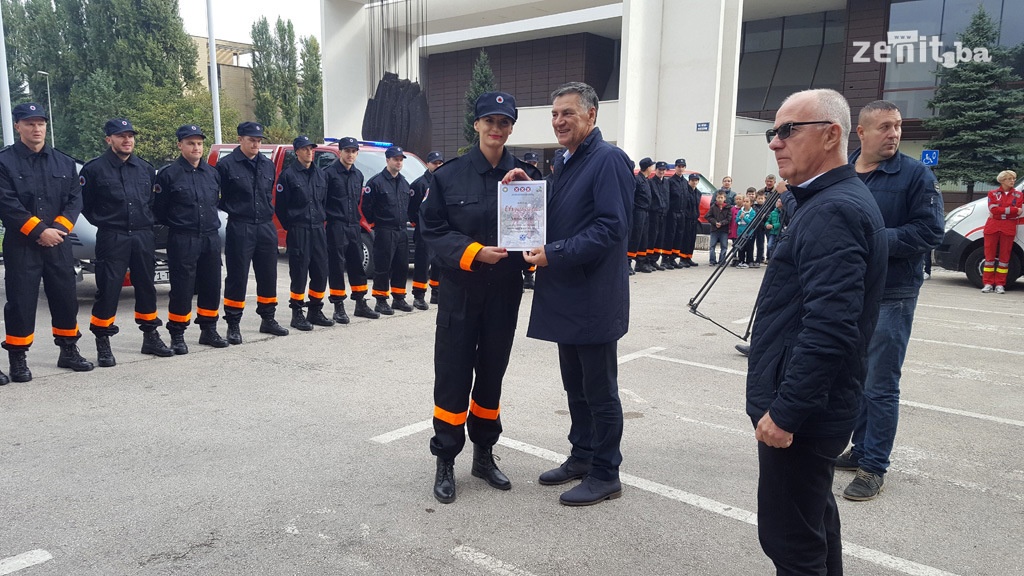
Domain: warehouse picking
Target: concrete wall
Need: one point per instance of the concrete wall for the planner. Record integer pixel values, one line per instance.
(345, 66)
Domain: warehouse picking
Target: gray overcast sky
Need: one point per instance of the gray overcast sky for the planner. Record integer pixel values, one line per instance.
(233, 20)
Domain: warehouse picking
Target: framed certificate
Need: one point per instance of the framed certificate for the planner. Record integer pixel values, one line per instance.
(522, 215)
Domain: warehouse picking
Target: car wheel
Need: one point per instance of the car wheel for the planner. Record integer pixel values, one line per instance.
(367, 249)
(972, 265)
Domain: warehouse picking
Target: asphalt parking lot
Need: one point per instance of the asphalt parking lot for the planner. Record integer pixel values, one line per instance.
(308, 454)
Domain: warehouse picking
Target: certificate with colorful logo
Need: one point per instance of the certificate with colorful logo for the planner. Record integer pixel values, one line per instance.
(522, 215)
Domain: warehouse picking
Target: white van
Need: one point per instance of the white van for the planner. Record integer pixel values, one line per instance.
(963, 246)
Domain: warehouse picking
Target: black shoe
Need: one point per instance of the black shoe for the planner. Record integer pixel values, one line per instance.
(866, 486)
(571, 469)
(657, 266)
(484, 467)
(401, 304)
(444, 481)
(669, 264)
(178, 345)
(692, 263)
(383, 308)
(363, 310)
(234, 334)
(685, 263)
(420, 304)
(433, 296)
(316, 317)
(210, 337)
(743, 349)
(152, 344)
(529, 281)
(104, 356)
(848, 461)
(19, 366)
(270, 326)
(71, 358)
(3, 378)
(339, 313)
(299, 321)
(735, 263)
(591, 491)
(631, 271)
(644, 267)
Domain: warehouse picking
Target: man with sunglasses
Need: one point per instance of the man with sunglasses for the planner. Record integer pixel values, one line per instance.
(817, 309)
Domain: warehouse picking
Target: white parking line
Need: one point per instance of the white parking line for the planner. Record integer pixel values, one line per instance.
(403, 432)
(488, 563)
(958, 309)
(970, 346)
(22, 561)
(741, 320)
(639, 354)
(997, 419)
(699, 365)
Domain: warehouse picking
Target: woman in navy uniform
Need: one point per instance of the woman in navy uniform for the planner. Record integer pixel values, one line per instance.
(479, 306)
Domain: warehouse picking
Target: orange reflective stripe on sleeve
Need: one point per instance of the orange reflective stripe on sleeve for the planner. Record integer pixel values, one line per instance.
(27, 341)
(145, 315)
(317, 295)
(172, 317)
(466, 263)
(485, 413)
(64, 222)
(450, 417)
(337, 292)
(268, 299)
(101, 322)
(206, 312)
(419, 285)
(30, 225)
(294, 296)
(65, 332)
(234, 303)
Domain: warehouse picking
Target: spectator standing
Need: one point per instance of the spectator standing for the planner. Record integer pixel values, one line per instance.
(730, 195)
(773, 227)
(1005, 205)
(719, 216)
(744, 217)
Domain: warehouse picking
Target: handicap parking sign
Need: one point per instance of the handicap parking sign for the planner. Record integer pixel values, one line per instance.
(930, 157)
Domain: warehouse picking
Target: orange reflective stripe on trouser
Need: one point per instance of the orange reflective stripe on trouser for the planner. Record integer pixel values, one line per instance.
(484, 413)
(268, 299)
(296, 296)
(233, 303)
(361, 288)
(183, 318)
(20, 340)
(380, 293)
(207, 313)
(102, 322)
(337, 292)
(433, 283)
(145, 315)
(398, 291)
(450, 417)
(419, 285)
(66, 332)
(316, 295)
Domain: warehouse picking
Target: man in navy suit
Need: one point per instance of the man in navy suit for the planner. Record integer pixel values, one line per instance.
(581, 299)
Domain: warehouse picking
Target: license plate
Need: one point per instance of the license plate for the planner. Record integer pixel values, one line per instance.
(162, 276)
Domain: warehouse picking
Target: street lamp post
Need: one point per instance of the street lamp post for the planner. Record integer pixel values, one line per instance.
(49, 107)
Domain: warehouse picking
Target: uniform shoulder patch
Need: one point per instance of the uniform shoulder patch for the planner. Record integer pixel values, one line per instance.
(157, 189)
(280, 187)
(366, 189)
(81, 180)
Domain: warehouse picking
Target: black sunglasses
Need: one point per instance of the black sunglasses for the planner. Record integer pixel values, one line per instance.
(786, 130)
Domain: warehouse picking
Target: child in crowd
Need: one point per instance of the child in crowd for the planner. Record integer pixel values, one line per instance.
(737, 204)
(718, 217)
(759, 234)
(774, 227)
(744, 216)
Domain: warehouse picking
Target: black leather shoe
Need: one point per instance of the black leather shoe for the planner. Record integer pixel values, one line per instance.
(316, 317)
(444, 481)
(154, 345)
(591, 491)
(71, 358)
(571, 469)
(3, 378)
(743, 349)
(528, 281)
(234, 334)
(433, 296)
(631, 271)
(644, 267)
(657, 266)
(299, 321)
(210, 337)
(420, 304)
(270, 326)
(685, 263)
(401, 304)
(340, 316)
(484, 467)
(104, 356)
(363, 310)
(178, 345)
(383, 308)
(692, 262)
(19, 366)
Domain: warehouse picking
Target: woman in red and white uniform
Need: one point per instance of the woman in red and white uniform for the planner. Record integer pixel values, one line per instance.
(1005, 206)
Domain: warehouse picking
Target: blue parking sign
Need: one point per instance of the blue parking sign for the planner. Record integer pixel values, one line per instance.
(930, 157)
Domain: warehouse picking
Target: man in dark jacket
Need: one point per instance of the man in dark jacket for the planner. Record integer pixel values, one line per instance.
(637, 247)
(344, 245)
(677, 201)
(658, 215)
(386, 206)
(691, 220)
(817, 309)
(911, 205)
(582, 295)
(425, 271)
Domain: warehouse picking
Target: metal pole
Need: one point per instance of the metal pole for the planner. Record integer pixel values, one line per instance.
(49, 107)
(214, 80)
(5, 88)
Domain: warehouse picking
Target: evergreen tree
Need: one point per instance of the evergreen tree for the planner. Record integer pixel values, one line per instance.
(481, 83)
(979, 115)
(94, 101)
(287, 86)
(311, 109)
(264, 72)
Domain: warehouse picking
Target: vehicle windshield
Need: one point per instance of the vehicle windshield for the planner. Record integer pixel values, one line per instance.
(370, 161)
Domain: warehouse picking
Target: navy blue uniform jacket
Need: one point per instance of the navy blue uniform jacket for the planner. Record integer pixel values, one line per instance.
(817, 309)
(38, 190)
(118, 194)
(247, 187)
(582, 295)
(301, 197)
(344, 193)
(186, 197)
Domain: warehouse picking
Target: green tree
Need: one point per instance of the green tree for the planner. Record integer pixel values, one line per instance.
(311, 108)
(94, 101)
(287, 86)
(158, 111)
(264, 72)
(979, 114)
(281, 132)
(481, 83)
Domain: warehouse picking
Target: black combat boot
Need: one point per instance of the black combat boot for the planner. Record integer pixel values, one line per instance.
(104, 356)
(484, 467)
(316, 316)
(444, 481)
(299, 321)
(419, 303)
(433, 296)
(234, 334)
(19, 366)
(270, 326)
(382, 307)
(400, 304)
(528, 280)
(363, 310)
(152, 344)
(210, 337)
(70, 357)
(3, 378)
(178, 345)
(339, 313)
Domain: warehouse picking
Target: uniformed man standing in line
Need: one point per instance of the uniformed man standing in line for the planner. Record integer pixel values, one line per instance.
(344, 247)
(117, 197)
(659, 211)
(674, 228)
(300, 206)
(533, 159)
(187, 191)
(40, 199)
(691, 220)
(639, 235)
(247, 187)
(422, 260)
(386, 206)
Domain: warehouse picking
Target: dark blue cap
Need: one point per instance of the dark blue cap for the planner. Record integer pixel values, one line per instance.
(681, 162)
(645, 164)
(393, 152)
(694, 176)
(661, 166)
(28, 110)
(189, 130)
(302, 142)
(531, 157)
(499, 103)
(117, 126)
(435, 156)
(348, 142)
(254, 129)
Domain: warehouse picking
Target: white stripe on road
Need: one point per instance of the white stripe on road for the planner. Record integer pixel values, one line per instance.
(997, 419)
(639, 354)
(699, 365)
(958, 309)
(403, 432)
(21, 561)
(970, 346)
(488, 563)
(741, 320)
